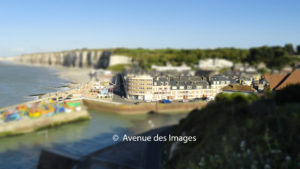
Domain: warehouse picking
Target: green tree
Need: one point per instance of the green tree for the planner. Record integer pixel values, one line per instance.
(289, 48)
(298, 50)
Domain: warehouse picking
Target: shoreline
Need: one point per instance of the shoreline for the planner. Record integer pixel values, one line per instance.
(72, 79)
(73, 76)
(77, 78)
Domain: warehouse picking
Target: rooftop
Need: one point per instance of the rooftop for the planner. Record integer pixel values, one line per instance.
(291, 78)
(278, 81)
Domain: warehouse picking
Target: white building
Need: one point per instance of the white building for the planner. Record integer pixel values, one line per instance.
(139, 87)
(119, 59)
(171, 68)
(214, 64)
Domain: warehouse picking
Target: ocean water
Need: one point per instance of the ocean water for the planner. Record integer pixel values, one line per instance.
(78, 139)
(19, 82)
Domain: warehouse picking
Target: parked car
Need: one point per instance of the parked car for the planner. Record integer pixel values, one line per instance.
(165, 101)
(210, 98)
(68, 98)
(204, 98)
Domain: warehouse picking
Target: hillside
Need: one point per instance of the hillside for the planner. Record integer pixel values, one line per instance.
(273, 56)
(238, 131)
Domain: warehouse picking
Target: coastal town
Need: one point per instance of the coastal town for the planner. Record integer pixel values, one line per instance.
(150, 84)
(136, 90)
(181, 83)
(103, 84)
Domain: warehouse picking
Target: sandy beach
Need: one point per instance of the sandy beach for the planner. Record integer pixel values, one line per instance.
(74, 75)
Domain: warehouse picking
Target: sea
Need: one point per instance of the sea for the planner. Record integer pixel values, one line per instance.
(20, 83)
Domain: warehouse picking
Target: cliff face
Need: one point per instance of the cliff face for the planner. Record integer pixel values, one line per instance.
(75, 58)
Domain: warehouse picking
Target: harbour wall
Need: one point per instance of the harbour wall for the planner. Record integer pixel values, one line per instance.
(142, 108)
(26, 125)
(30, 125)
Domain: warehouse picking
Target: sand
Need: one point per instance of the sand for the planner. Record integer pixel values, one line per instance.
(75, 75)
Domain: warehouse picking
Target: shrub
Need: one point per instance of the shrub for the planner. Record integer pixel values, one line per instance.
(289, 94)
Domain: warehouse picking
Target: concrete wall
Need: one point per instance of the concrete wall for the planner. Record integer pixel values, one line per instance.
(143, 108)
(29, 125)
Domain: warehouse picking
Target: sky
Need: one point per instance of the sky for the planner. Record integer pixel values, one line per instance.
(53, 25)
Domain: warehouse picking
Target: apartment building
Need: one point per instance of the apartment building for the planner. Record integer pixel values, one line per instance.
(161, 88)
(188, 87)
(180, 87)
(148, 88)
(139, 87)
(217, 82)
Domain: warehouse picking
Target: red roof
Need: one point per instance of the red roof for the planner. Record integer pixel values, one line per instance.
(292, 78)
(274, 79)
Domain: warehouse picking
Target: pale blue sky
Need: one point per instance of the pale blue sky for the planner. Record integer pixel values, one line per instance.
(52, 25)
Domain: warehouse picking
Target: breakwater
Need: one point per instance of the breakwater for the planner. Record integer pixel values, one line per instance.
(30, 125)
(43, 113)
